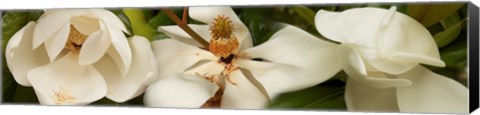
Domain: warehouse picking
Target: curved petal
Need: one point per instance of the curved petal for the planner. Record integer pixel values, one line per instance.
(243, 94)
(142, 72)
(361, 97)
(355, 68)
(174, 57)
(206, 69)
(177, 33)
(94, 48)
(64, 82)
(355, 26)
(185, 91)
(390, 41)
(51, 22)
(294, 60)
(404, 42)
(120, 52)
(85, 25)
(56, 44)
(20, 57)
(208, 14)
(431, 92)
(110, 19)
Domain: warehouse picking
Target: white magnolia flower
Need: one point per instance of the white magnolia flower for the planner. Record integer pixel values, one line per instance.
(227, 75)
(381, 51)
(77, 56)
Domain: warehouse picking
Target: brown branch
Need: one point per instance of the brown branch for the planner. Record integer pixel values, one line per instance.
(184, 16)
(185, 27)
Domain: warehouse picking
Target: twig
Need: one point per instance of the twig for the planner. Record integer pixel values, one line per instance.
(184, 17)
(185, 27)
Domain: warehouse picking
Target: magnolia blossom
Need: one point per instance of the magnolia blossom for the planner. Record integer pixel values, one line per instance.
(77, 56)
(232, 73)
(381, 51)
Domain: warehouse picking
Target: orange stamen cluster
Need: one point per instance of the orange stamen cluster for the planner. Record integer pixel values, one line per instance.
(223, 42)
(222, 27)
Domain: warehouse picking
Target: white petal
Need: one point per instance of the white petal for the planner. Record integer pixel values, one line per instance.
(360, 97)
(183, 91)
(390, 41)
(357, 25)
(85, 25)
(405, 43)
(277, 78)
(77, 84)
(51, 22)
(56, 44)
(120, 52)
(242, 95)
(110, 19)
(206, 68)
(175, 57)
(296, 60)
(20, 57)
(177, 33)
(142, 72)
(94, 48)
(208, 14)
(432, 93)
(355, 68)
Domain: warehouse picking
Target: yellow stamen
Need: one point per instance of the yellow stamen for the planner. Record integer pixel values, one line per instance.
(75, 40)
(62, 97)
(223, 42)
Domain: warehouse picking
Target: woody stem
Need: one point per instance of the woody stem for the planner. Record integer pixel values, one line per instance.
(184, 16)
(185, 27)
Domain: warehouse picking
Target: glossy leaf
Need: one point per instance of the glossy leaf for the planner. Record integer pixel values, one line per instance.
(25, 95)
(261, 28)
(453, 27)
(307, 14)
(8, 87)
(326, 96)
(429, 14)
(162, 19)
(139, 23)
(455, 54)
(15, 20)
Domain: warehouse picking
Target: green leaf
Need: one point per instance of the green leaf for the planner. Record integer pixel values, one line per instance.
(139, 24)
(453, 27)
(307, 14)
(429, 14)
(455, 54)
(25, 95)
(9, 86)
(326, 96)
(260, 27)
(13, 21)
(163, 19)
(343, 7)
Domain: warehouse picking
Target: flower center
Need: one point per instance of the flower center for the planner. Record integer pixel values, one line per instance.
(75, 40)
(62, 97)
(223, 42)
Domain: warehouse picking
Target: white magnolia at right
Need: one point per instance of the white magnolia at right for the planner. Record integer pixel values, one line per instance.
(381, 51)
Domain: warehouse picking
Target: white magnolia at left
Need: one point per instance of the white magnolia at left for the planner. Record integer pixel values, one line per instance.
(78, 56)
